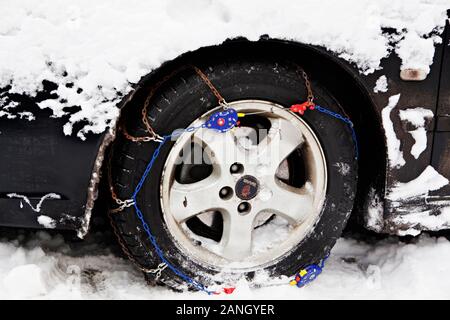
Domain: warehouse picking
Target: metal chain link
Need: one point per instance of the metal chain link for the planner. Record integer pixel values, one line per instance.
(310, 96)
(213, 89)
(156, 271)
(344, 118)
(152, 135)
(122, 204)
(302, 73)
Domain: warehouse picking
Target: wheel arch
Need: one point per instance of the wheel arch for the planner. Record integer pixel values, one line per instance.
(343, 80)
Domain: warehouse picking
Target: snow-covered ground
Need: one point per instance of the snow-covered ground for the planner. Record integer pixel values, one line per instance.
(38, 265)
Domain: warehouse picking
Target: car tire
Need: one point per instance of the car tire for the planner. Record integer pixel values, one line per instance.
(184, 98)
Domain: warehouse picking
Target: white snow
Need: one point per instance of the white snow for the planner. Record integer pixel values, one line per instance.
(343, 168)
(39, 204)
(420, 137)
(417, 117)
(102, 47)
(264, 238)
(424, 220)
(6, 108)
(411, 218)
(40, 266)
(270, 235)
(26, 115)
(29, 275)
(47, 222)
(381, 85)
(7, 115)
(43, 220)
(428, 180)
(417, 53)
(395, 155)
(374, 219)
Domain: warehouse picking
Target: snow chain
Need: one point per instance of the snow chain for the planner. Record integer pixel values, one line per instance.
(215, 122)
(152, 135)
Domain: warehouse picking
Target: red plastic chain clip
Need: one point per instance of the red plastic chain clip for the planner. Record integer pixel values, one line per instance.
(302, 107)
(229, 290)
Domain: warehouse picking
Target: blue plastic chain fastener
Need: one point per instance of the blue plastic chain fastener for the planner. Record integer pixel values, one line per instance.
(222, 120)
(308, 274)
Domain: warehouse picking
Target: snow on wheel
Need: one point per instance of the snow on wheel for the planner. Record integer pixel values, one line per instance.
(267, 195)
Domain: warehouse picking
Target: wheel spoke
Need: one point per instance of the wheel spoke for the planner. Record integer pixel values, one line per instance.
(282, 140)
(220, 147)
(236, 240)
(293, 204)
(189, 200)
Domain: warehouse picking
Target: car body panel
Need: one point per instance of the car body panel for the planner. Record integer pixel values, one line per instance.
(37, 158)
(441, 144)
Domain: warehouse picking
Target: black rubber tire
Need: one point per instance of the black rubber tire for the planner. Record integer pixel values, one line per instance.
(185, 98)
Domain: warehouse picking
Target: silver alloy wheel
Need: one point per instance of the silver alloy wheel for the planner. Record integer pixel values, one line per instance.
(250, 195)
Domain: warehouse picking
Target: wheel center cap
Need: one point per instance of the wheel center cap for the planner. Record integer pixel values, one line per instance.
(247, 187)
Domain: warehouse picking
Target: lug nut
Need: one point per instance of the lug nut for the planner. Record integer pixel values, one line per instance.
(244, 208)
(236, 168)
(226, 193)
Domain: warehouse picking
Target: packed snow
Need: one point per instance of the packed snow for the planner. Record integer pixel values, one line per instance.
(96, 50)
(374, 217)
(414, 218)
(395, 155)
(37, 265)
(424, 220)
(417, 117)
(428, 180)
(381, 85)
(46, 221)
